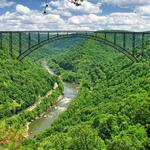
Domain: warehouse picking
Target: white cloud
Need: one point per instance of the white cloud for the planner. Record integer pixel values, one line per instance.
(143, 10)
(87, 19)
(127, 21)
(24, 18)
(124, 19)
(64, 6)
(5, 3)
(126, 3)
(120, 21)
(22, 9)
(86, 7)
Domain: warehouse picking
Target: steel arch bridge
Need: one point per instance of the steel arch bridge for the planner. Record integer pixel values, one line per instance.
(130, 44)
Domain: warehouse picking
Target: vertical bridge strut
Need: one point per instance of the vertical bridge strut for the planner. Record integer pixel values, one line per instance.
(143, 38)
(29, 40)
(47, 35)
(10, 44)
(20, 43)
(115, 38)
(124, 40)
(105, 35)
(133, 44)
(38, 37)
(1, 40)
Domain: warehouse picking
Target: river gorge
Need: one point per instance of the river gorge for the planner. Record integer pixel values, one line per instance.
(45, 121)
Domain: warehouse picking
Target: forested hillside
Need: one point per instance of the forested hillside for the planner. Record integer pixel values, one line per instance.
(54, 48)
(110, 112)
(112, 109)
(22, 85)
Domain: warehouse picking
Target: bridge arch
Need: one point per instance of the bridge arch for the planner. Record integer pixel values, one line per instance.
(121, 44)
(74, 35)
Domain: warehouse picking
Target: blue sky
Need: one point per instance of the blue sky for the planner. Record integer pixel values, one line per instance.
(63, 15)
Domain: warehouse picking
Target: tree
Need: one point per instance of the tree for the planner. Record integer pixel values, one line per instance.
(85, 138)
(133, 138)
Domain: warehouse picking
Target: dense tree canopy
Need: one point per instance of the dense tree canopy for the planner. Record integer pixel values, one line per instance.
(112, 108)
(110, 112)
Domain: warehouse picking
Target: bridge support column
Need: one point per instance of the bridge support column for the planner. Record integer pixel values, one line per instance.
(38, 37)
(133, 44)
(47, 35)
(20, 43)
(1, 40)
(57, 34)
(124, 40)
(96, 34)
(142, 50)
(10, 44)
(115, 38)
(105, 35)
(29, 40)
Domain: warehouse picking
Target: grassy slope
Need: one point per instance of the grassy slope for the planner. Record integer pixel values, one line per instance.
(112, 108)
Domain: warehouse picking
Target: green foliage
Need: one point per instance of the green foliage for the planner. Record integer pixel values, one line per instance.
(133, 138)
(21, 83)
(112, 105)
(111, 110)
(85, 138)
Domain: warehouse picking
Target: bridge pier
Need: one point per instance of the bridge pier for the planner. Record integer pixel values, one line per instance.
(133, 44)
(124, 40)
(47, 35)
(115, 34)
(38, 37)
(67, 34)
(29, 40)
(95, 34)
(57, 34)
(105, 34)
(10, 44)
(1, 40)
(20, 43)
(142, 49)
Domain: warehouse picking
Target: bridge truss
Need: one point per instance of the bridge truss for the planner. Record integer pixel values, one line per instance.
(21, 43)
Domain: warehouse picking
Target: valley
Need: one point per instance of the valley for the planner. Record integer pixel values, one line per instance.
(110, 111)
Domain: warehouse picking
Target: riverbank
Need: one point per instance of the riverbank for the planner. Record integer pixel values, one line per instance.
(26, 132)
(20, 122)
(47, 118)
(40, 99)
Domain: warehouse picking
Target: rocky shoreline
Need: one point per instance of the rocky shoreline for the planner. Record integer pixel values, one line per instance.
(26, 132)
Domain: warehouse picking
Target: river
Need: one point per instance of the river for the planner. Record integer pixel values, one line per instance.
(38, 125)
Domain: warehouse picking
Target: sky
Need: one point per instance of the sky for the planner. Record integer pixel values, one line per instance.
(133, 15)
